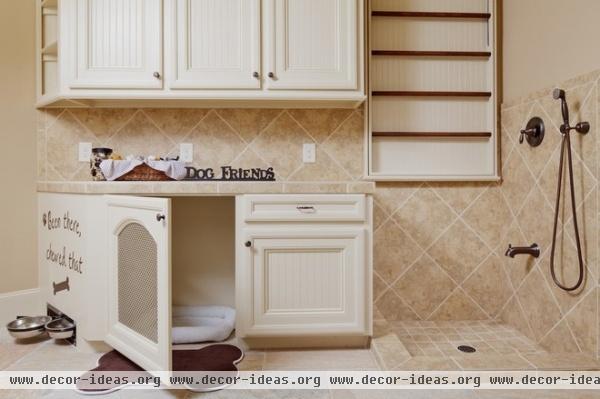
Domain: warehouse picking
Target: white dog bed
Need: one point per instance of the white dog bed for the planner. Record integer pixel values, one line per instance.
(194, 324)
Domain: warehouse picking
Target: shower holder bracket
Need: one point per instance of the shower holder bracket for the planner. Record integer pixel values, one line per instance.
(534, 132)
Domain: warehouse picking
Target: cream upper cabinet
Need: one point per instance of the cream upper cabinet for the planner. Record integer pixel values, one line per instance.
(242, 53)
(217, 44)
(312, 44)
(113, 44)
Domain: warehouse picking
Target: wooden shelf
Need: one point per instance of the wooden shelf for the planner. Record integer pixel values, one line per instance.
(434, 134)
(431, 94)
(51, 49)
(49, 3)
(403, 53)
(420, 14)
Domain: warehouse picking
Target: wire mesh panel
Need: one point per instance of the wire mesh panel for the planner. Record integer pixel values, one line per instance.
(137, 281)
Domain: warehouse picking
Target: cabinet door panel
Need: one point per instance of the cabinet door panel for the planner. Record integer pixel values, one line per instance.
(313, 44)
(218, 44)
(139, 280)
(303, 282)
(118, 44)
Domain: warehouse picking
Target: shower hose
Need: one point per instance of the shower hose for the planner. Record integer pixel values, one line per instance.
(566, 147)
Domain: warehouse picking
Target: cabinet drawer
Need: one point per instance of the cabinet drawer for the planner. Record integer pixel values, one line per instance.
(318, 208)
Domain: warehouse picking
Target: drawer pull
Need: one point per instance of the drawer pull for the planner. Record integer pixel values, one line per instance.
(306, 208)
(248, 244)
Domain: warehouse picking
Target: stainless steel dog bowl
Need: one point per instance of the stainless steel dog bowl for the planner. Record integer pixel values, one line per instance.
(60, 328)
(27, 327)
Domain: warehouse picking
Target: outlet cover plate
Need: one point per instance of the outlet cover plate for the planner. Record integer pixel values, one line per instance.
(85, 152)
(186, 152)
(309, 153)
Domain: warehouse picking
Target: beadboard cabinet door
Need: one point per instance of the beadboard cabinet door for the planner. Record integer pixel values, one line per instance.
(139, 279)
(302, 281)
(217, 44)
(115, 44)
(312, 44)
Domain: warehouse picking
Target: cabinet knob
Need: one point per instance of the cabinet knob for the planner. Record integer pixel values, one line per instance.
(160, 217)
(271, 75)
(248, 244)
(256, 75)
(156, 75)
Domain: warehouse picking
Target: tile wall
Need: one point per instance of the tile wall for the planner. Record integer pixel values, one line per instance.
(438, 247)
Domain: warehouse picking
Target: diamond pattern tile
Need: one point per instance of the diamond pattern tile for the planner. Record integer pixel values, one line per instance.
(390, 196)
(517, 181)
(410, 286)
(424, 217)
(62, 141)
(176, 123)
(140, 136)
(490, 216)
(393, 251)
(283, 135)
(459, 251)
(321, 123)
(249, 122)
(489, 286)
(103, 122)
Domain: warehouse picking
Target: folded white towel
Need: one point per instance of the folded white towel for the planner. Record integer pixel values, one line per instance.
(112, 169)
(193, 324)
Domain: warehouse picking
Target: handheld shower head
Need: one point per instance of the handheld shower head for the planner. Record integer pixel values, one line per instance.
(559, 94)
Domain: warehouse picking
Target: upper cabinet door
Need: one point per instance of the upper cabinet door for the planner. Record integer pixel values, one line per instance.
(217, 44)
(139, 280)
(118, 44)
(312, 44)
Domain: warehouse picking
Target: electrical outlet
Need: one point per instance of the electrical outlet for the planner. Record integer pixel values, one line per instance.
(309, 153)
(186, 152)
(85, 152)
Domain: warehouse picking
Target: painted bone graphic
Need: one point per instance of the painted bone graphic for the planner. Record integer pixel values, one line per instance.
(58, 287)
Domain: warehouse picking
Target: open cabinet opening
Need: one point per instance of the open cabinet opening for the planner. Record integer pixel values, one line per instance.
(203, 248)
(203, 266)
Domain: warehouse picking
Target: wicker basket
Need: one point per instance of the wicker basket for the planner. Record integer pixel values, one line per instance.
(144, 172)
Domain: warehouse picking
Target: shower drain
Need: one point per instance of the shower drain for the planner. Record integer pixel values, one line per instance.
(466, 349)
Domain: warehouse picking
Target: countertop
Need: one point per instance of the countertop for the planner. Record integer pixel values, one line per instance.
(187, 188)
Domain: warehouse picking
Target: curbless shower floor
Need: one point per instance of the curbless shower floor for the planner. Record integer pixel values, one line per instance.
(430, 345)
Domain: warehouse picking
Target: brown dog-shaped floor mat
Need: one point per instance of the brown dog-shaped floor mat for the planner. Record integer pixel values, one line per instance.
(219, 358)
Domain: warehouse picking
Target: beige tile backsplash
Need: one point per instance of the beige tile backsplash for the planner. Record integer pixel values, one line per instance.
(438, 247)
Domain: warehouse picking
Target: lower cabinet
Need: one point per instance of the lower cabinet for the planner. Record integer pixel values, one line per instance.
(307, 270)
(305, 273)
(302, 281)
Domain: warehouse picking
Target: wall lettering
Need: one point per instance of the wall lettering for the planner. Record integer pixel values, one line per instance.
(228, 173)
(69, 261)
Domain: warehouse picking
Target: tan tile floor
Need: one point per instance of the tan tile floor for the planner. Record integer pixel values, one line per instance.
(430, 345)
(443, 338)
(50, 355)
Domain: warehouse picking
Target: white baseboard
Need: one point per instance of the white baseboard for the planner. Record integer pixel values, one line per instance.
(21, 303)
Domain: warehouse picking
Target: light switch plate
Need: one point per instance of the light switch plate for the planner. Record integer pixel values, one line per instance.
(186, 152)
(309, 153)
(85, 152)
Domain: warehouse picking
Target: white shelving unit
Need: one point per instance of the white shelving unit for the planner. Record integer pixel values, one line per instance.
(47, 48)
(432, 96)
